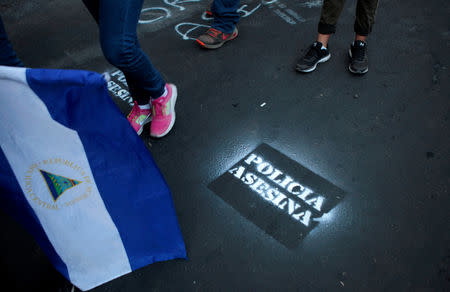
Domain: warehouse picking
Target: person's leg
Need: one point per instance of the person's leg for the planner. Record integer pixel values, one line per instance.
(331, 10)
(365, 18)
(225, 15)
(224, 27)
(117, 21)
(8, 56)
(318, 51)
(323, 39)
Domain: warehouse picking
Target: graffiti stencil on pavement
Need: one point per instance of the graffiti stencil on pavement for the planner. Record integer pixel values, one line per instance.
(277, 194)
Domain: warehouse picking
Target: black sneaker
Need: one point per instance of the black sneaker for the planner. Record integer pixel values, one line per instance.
(213, 38)
(314, 56)
(359, 63)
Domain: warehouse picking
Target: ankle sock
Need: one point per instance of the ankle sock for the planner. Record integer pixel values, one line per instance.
(163, 95)
(165, 92)
(144, 106)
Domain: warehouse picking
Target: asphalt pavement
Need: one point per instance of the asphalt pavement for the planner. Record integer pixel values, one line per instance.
(377, 146)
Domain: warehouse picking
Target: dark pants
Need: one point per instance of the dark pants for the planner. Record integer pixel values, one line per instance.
(117, 21)
(365, 16)
(7, 55)
(225, 14)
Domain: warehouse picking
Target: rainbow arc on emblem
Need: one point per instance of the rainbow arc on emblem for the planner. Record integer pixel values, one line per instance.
(57, 184)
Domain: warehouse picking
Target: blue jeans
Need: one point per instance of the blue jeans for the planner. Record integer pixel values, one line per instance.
(7, 55)
(117, 21)
(225, 14)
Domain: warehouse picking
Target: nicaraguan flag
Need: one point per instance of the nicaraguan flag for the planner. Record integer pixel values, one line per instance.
(76, 175)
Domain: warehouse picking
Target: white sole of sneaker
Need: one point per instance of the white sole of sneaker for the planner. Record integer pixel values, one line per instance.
(353, 71)
(172, 109)
(323, 60)
(357, 72)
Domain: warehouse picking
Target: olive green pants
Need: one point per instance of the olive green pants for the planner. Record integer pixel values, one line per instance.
(365, 16)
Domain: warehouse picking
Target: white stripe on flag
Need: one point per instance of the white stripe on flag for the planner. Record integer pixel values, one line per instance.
(71, 212)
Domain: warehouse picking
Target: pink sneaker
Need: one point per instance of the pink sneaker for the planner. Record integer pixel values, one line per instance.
(139, 117)
(164, 112)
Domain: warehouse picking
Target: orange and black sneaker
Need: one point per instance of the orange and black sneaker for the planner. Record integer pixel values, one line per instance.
(213, 38)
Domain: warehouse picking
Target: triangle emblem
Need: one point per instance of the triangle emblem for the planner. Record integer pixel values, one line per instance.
(57, 184)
